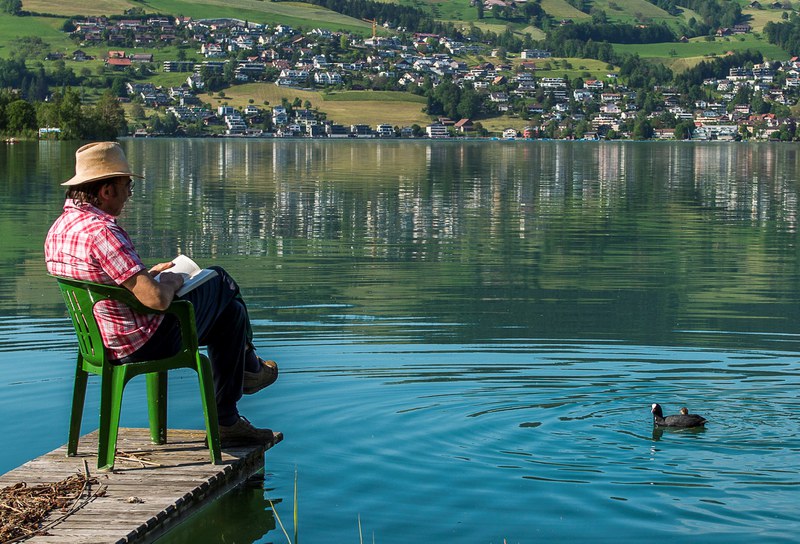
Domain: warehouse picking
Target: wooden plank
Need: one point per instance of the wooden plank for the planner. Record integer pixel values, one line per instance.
(151, 488)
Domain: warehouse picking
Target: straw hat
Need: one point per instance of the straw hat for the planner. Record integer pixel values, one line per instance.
(99, 160)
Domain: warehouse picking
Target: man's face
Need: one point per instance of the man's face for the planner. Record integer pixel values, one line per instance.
(115, 194)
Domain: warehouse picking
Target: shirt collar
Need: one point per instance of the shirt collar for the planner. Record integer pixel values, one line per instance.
(85, 207)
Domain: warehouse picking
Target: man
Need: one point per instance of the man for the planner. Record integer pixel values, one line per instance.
(86, 243)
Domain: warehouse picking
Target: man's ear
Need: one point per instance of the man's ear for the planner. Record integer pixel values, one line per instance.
(106, 191)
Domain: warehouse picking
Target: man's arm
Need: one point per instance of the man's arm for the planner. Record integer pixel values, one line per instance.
(154, 294)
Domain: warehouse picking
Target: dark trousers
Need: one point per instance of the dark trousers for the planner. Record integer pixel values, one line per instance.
(223, 326)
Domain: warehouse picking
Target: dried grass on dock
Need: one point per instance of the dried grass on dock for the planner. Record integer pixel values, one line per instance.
(23, 508)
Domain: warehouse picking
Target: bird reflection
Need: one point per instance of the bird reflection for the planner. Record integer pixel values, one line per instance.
(658, 432)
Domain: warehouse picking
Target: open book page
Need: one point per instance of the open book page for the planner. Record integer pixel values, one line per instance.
(193, 275)
(184, 265)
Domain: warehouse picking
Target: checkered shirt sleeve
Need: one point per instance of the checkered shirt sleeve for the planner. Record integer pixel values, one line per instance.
(87, 244)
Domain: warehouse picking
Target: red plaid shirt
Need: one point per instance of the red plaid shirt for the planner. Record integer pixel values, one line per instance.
(85, 243)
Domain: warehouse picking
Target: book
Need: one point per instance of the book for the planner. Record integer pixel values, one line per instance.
(193, 275)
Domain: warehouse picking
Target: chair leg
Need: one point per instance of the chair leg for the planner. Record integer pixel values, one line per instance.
(157, 406)
(113, 384)
(209, 401)
(76, 414)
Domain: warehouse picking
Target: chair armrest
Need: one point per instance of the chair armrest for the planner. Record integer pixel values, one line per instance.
(182, 309)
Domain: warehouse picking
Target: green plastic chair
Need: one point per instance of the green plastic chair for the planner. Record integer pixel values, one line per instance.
(80, 298)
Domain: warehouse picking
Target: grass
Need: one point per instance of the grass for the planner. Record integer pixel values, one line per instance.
(630, 10)
(536, 33)
(560, 9)
(72, 7)
(294, 14)
(346, 108)
(497, 125)
(46, 28)
(447, 10)
(373, 113)
(294, 517)
(700, 48)
(760, 17)
(585, 68)
(372, 96)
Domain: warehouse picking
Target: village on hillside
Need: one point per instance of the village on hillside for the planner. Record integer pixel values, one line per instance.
(235, 51)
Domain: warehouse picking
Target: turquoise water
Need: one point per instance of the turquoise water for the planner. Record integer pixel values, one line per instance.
(470, 334)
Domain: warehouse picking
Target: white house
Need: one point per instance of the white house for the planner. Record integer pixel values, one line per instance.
(384, 131)
(437, 130)
(279, 115)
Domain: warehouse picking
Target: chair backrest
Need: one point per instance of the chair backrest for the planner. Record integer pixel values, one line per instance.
(80, 298)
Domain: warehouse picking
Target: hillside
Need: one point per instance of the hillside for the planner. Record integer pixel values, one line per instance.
(289, 13)
(459, 12)
(368, 106)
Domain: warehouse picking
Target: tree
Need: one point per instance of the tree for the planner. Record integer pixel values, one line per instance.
(599, 16)
(107, 118)
(229, 72)
(156, 126)
(14, 7)
(758, 104)
(470, 103)
(118, 87)
(684, 130)
(47, 114)
(70, 115)
(12, 72)
(20, 115)
(137, 111)
(642, 128)
(171, 124)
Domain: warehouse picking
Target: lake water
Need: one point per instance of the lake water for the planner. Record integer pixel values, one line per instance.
(470, 333)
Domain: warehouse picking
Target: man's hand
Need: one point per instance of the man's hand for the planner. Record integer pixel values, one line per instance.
(154, 294)
(160, 267)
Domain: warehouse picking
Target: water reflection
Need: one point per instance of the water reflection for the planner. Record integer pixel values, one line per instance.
(422, 193)
(658, 432)
(464, 323)
(242, 516)
(625, 240)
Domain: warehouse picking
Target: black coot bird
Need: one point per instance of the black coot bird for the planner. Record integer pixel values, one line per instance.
(684, 419)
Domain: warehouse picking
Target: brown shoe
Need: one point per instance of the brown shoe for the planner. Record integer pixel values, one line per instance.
(243, 433)
(265, 376)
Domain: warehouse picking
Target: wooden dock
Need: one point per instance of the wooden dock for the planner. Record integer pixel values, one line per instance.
(151, 489)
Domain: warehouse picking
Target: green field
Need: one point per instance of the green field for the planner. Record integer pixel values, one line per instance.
(290, 13)
(71, 7)
(453, 10)
(373, 96)
(700, 48)
(346, 108)
(631, 11)
(560, 9)
(760, 17)
(46, 28)
(572, 68)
